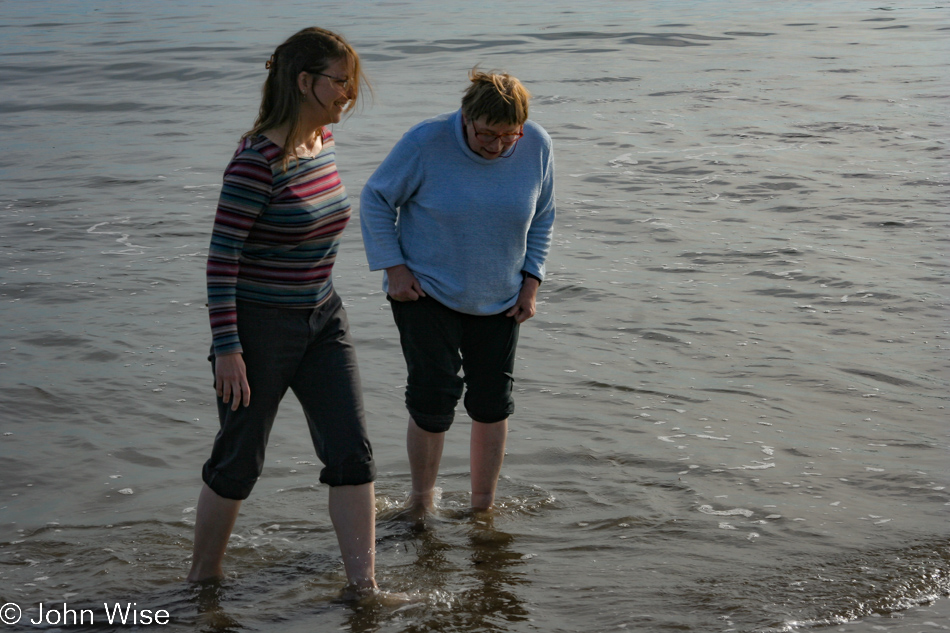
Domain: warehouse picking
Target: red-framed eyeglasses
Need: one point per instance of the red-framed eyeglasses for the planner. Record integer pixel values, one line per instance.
(491, 137)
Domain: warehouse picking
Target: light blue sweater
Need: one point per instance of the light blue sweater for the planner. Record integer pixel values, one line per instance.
(465, 226)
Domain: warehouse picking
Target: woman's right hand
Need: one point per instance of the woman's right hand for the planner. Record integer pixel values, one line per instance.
(230, 380)
(403, 285)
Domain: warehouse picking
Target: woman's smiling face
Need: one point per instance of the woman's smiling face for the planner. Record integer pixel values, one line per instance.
(333, 89)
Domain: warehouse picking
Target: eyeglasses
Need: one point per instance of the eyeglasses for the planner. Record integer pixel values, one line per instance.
(343, 84)
(490, 137)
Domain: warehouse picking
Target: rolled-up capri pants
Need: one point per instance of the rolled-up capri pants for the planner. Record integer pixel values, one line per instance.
(437, 343)
(309, 351)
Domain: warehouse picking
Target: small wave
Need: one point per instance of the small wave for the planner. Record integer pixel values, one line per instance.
(708, 509)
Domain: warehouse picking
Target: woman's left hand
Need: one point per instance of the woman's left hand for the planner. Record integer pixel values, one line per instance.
(524, 309)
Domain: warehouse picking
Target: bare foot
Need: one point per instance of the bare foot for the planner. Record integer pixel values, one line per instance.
(374, 595)
(423, 502)
(417, 511)
(407, 514)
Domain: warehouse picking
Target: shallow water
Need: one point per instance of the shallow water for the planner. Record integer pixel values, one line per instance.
(731, 409)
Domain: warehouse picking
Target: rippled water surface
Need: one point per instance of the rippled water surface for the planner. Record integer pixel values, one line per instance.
(731, 405)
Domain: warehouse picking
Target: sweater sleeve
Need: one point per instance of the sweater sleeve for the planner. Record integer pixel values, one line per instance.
(542, 223)
(245, 194)
(392, 184)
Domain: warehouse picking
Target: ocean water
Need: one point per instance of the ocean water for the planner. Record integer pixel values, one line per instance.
(731, 404)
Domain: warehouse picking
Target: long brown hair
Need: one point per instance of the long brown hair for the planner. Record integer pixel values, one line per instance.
(310, 50)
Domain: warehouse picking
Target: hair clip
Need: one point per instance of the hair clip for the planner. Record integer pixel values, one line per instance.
(269, 63)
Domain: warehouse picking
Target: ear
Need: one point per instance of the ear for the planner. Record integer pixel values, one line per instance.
(304, 81)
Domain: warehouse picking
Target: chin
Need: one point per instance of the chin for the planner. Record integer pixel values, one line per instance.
(334, 115)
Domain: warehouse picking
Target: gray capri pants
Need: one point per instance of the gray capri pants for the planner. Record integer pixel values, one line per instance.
(311, 352)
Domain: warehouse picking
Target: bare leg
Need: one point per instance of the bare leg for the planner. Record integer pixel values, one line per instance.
(487, 452)
(353, 513)
(214, 521)
(425, 453)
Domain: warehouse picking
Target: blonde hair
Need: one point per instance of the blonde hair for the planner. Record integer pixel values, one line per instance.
(310, 50)
(496, 96)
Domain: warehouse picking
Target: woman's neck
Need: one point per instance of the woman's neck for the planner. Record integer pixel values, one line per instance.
(305, 144)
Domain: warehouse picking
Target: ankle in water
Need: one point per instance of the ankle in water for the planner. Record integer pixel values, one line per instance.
(374, 595)
(359, 589)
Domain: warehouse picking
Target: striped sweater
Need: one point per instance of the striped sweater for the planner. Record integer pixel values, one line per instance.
(276, 234)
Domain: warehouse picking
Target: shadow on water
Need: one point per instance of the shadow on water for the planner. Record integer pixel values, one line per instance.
(466, 573)
(211, 616)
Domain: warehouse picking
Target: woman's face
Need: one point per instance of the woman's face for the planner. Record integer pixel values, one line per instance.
(331, 90)
(490, 140)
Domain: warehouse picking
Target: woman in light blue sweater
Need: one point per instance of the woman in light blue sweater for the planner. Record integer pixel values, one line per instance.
(460, 216)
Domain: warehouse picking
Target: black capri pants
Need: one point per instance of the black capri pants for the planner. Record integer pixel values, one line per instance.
(437, 342)
(311, 352)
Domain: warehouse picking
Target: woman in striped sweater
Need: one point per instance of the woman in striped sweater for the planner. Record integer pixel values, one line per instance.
(275, 319)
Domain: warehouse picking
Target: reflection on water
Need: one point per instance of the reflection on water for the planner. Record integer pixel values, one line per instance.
(731, 404)
(211, 616)
(472, 574)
